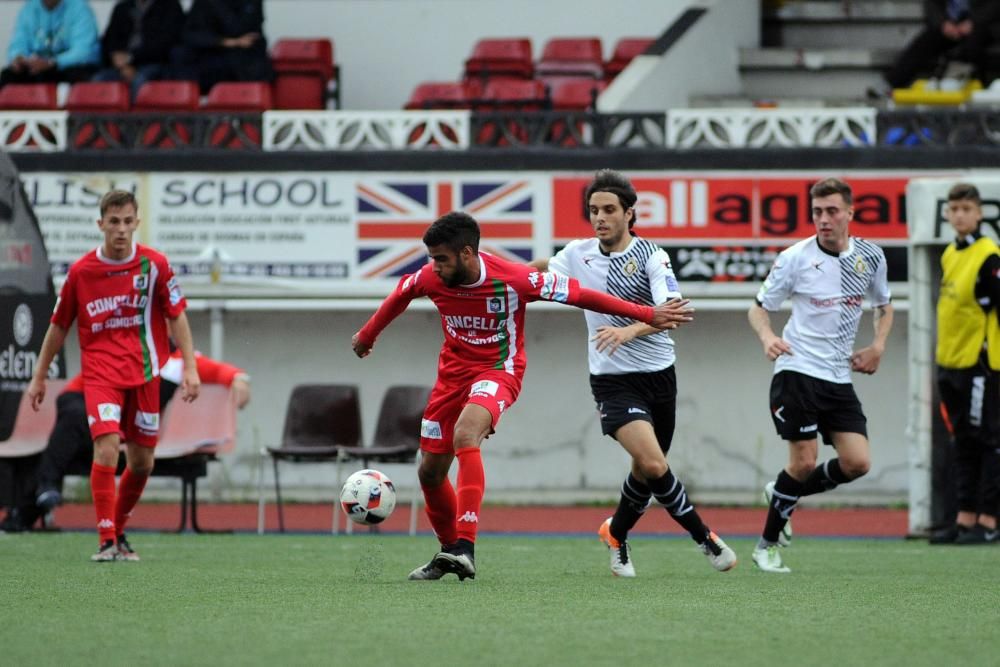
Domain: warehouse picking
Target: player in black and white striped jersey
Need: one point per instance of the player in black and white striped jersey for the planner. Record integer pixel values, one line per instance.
(632, 366)
(827, 277)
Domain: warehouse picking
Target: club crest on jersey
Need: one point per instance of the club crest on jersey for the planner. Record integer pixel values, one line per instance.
(140, 282)
(860, 266)
(494, 305)
(631, 266)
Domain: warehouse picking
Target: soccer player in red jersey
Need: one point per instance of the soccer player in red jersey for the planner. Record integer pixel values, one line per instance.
(124, 297)
(481, 299)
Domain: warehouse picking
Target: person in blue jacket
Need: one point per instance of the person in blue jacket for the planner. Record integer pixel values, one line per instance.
(53, 40)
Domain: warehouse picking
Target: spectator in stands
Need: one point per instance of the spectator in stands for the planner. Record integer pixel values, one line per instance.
(968, 368)
(70, 442)
(138, 41)
(224, 41)
(966, 28)
(53, 40)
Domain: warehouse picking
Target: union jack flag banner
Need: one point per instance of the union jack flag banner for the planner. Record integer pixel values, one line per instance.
(393, 213)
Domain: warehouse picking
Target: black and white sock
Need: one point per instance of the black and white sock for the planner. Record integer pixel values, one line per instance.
(787, 491)
(670, 492)
(631, 506)
(826, 477)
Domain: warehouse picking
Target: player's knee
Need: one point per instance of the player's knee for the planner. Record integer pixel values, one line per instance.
(467, 437)
(141, 468)
(801, 469)
(431, 476)
(652, 467)
(855, 467)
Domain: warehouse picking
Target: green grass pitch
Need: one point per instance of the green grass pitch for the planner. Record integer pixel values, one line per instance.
(323, 600)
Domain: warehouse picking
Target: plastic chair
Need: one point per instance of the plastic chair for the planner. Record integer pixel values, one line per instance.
(439, 95)
(580, 56)
(303, 72)
(98, 97)
(233, 97)
(576, 94)
(625, 50)
(29, 97)
(196, 433)
(397, 438)
(31, 429)
(166, 97)
(510, 57)
(515, 95)
(321, 419)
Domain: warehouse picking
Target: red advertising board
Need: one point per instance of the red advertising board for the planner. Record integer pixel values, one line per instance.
(720, 208)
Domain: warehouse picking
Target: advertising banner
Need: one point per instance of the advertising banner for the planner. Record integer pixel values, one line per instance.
(356, 233)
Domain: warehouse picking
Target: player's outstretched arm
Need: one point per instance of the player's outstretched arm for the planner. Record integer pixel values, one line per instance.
(867, 359)
(392, 307)
(54, 339)
(760, 322)
(180, 330)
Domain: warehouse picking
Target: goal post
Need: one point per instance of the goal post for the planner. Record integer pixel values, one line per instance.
(929, 233)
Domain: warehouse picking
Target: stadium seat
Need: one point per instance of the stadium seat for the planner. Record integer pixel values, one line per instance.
(97, 97)
(397, 437)
(196, 432)
(237, 99)
(304, 69)
(28, 97)
(439, 95)
(31, 429)
(167, 97)
(577, 56)
(576, 94)
(321, 420)
(514, 95)
(625, 50)
(510, 57)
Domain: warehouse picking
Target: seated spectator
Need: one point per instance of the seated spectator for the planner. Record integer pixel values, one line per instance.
(224, 41)
(963, 28)
(70, 439)
(53, 40)
(138, 41)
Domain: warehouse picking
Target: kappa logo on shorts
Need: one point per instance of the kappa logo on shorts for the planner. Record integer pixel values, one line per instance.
(430, 429)
(484, 388)
(109, 412)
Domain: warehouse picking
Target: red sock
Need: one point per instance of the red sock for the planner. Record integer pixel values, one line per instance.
(102, 488)
(440, 504)
(471, 485)
(129, 490)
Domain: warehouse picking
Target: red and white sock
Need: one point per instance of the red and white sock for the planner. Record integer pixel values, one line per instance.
(440, 503)
(102, 488)
(471, 486)
(129, 491)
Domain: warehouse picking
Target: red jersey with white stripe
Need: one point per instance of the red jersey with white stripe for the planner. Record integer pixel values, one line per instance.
(483, 323)
(120, 307)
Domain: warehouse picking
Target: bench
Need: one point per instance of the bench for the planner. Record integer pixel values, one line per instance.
(191, 435)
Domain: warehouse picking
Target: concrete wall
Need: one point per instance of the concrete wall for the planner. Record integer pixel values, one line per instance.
(386, 47)
(549, 446)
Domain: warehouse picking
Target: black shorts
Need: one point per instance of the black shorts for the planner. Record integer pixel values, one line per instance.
(802, 405)
(625, 398)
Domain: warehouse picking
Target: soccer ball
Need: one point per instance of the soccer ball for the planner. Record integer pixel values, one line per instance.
(368, 497)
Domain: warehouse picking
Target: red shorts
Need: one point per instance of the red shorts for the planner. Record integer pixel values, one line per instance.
(494, 390)
(133, 413)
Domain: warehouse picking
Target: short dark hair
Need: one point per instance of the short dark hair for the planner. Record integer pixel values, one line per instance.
(964, 191)
(454, 230)
(832, 186)
(116, 199)
(609, 180)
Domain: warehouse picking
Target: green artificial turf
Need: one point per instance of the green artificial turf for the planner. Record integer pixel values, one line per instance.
(305, 599)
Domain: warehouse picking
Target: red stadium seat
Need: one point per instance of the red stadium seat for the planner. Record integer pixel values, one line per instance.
(439, 95)
(303, 70)
(515, 95)
(576, 94)
(28, 97)
(626, 49)
(509, 57)
(165, 97)
(239, 96)
(98, 97)
(579, 56)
